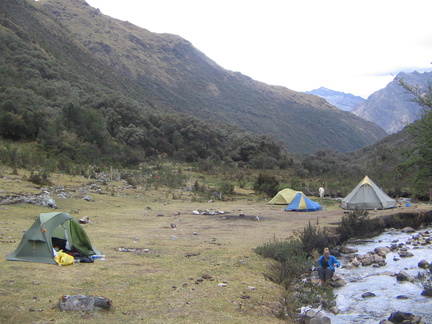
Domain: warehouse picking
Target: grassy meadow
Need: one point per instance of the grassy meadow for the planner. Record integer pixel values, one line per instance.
(175, 280)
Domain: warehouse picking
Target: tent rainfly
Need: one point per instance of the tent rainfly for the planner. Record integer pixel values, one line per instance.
(283, 197)
(49, 230)
(303, 203)
(367, 195)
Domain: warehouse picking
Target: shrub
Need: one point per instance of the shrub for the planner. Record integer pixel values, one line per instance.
(358, 224)
(226, 188)
(314, 238)
(40, 178)
(280, 251)
(266, 183)
(290, 261)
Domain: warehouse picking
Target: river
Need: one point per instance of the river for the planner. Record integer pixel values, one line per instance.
(356, 309)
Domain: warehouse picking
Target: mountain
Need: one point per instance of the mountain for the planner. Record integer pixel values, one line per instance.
(391, 108)
(341, 100)
(87, 61)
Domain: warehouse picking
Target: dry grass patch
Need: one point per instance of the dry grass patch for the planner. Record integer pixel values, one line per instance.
(162, 285)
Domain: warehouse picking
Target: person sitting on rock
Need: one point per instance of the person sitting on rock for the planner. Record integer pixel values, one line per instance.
(326, 266)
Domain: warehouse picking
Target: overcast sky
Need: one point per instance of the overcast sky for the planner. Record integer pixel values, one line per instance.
(353, 46)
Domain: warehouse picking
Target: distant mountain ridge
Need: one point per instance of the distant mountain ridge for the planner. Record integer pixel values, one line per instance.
(341, 100)
(166, 74)
(391, 107)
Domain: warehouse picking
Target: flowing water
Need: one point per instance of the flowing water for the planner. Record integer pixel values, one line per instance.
(356, 309)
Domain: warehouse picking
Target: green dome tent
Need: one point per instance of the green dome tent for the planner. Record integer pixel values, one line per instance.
(367, 195)
(37, 244)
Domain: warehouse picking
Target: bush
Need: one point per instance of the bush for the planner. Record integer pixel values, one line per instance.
(314, 238)
(280, 251)
(226, 188)
(267, 183)
(358, 224)
(40, 178)
(290, 261)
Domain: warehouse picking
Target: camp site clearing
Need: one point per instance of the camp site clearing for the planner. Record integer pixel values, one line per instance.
(170, 275)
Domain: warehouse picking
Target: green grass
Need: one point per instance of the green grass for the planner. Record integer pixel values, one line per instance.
(141, 286)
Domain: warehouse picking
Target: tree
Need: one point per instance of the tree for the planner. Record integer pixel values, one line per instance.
(266, 183)
(420, 157)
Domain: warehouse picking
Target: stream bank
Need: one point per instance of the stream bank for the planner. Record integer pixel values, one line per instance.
(373, 290)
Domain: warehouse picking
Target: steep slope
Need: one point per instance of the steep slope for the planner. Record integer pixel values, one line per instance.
(391, 108)
(341, 100)
(172, 75)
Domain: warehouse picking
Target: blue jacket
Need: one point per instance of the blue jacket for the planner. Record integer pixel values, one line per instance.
(332, 260)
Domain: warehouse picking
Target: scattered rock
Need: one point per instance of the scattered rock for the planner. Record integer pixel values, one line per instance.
(382, 251)
(320, 320)
(347, 250)
(368, 294)
(405, 254)
(423, 264)
(402, 297)
(84, 303)
(408, 230)
(366, 261)
(85, 220)
(88, 198)
(222, 284)
(43, 199)
(400, 317)
(336, 282)
(403, 276)
(334, 310)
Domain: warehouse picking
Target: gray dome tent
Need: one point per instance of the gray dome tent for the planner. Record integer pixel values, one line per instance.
(37, 243)
(367, 195)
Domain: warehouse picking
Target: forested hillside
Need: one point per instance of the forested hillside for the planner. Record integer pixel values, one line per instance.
(54, 91)
(166, 73)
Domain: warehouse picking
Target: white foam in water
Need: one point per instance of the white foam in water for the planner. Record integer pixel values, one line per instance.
(356, 309)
